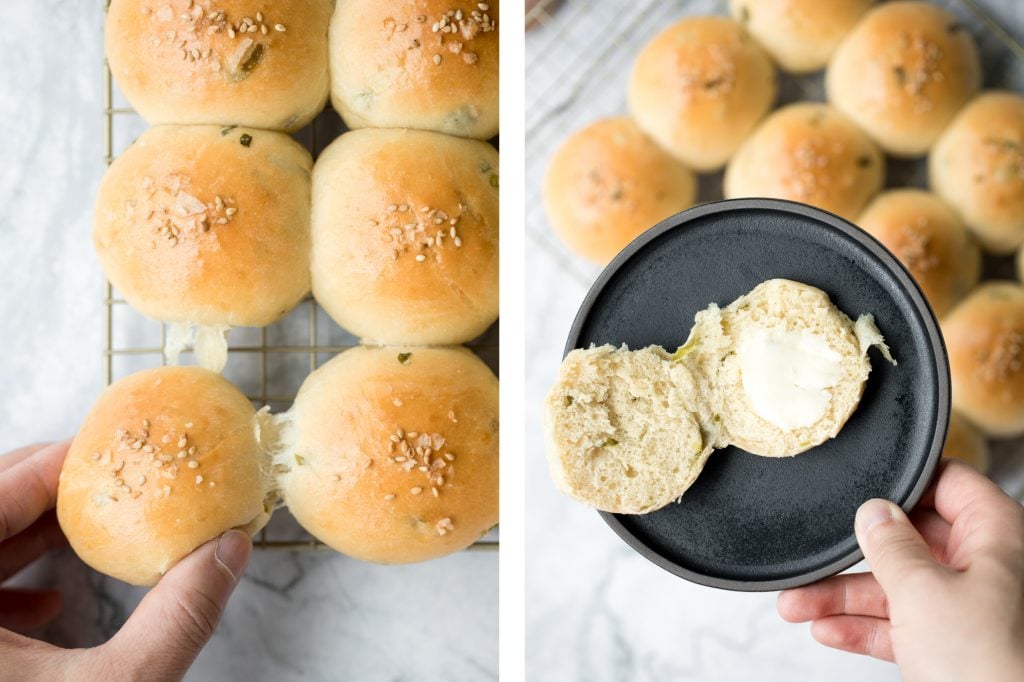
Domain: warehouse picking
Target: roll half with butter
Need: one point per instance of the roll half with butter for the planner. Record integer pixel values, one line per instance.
(781, 368)
(776, 372)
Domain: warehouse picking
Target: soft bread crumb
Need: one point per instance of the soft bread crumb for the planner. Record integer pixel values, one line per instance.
(868, 335)
(620, 435)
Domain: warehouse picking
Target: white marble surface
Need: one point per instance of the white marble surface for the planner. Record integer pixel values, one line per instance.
(596, 610)
(295, 616)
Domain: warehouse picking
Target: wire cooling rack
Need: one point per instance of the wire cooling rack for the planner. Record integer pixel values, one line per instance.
(267, 364)
(578, 58)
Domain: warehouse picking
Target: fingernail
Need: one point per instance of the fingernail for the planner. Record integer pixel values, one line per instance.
(233, 550)
(873, 512)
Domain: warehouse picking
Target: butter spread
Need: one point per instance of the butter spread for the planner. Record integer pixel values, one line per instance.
(787, 375)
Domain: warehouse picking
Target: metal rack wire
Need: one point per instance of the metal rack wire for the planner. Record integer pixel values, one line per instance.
(307, 334)
(577, 65)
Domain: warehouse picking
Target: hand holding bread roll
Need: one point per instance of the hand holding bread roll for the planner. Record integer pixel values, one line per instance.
(395, 454)
(609, 182)
(699, 87)
(429, 64)
(166, 460)
(237, 62)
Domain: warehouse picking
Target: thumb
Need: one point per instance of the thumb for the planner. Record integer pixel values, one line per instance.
(891, 545)
(176, 618)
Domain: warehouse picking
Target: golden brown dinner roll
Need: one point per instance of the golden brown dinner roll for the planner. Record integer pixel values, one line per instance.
(902, 74)
(800, 35)
(977, 165)
(984, 337)
(608, 183)
(396, 453)
(963, 442)
(426, 64)
(405, 236)
(179, 61)
(207, 224)
(926, 235)
(808, 152)
(166, 460)
(699, 87)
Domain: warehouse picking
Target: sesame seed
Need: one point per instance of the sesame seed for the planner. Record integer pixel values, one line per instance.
(389, 497)
(397, 402)
(458, 242)
(145, 423)
(193, 464)
(437, 59)
(416, 491)
(141, 481)
(199, 479)
(394, 438)
(120, 465)
(449, 456)
(231, 211)
(434, 491)
(192, 450)
(182, 442)
(400, 458)
(231, 32)
(212, 484)
(421, 258)
(259, 16)
(440, 480)
(263, 29)
(279, 28)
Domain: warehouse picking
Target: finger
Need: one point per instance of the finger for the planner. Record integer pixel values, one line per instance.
(29, 488)
(985, 519)
(855, 594)
(178, 616)
(31, 543)
(935, 531)
(896, 551)
(22, 610)
(14, 456)
(856, 634)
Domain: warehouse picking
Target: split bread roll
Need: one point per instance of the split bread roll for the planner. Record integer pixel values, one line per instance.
(698, 89)
(405, 236)
(984, 338)
(811, 153)
(207, 225)
(776, 372)
(395, 455)
(179, 61)
(964, 442)
(608, 183)
(903, 73)
(429, 64)
(166, 460)
(927, 236)
(800, 35)
(978, 167)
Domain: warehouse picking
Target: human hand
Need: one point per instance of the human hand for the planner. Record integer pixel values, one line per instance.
(945, 599)
(162, 637)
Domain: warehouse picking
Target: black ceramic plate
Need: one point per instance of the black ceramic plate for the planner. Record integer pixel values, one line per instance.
(757, 523)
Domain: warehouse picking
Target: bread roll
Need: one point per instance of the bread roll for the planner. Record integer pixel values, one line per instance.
(903, 73)
(698, 89)
(405, 236)
(963, 442)
(926, 235)
(166, 460)
(808, 152)
(179, 61)
(781, 368)
(984, 337)
(776, 372)
(800, 35)
(207, 224)
(621, 435)
(978, 167)
(396, 453)
(608, 183)
(428, 64)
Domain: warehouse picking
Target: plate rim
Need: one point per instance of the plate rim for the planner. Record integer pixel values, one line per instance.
(933, 334)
